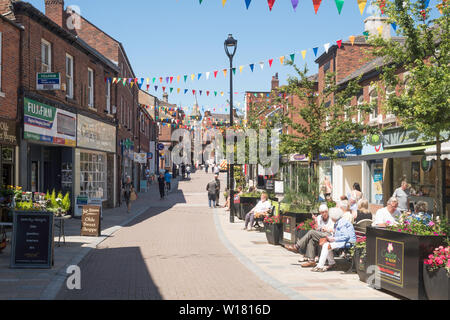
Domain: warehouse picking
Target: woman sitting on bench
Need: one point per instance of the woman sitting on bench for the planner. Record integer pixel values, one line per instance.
(262, 208)
(343, 233)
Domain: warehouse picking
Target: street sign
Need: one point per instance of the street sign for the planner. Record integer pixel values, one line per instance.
(48, 81)
(160, 146)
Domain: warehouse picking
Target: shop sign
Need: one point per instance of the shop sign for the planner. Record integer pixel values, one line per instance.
(32, 240)
(401, 137)
(95, 134)
(140, 157)
(160, 146)
(90, 221)
(347, 150)
(48, 81)
(390, 260)
(426, 165)
(8, 132)
(298, 157)
(372, 144)
(49, 124)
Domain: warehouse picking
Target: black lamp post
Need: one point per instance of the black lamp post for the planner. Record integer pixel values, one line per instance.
(230, 49)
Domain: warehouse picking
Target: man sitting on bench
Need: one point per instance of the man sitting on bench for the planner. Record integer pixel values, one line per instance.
(344, 233)
(262, 208)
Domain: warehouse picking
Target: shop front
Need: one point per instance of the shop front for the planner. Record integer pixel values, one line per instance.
(8, 150)
(48, 147)
(95, 162)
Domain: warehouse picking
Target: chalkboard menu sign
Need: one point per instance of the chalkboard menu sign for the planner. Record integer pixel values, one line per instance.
(32, 240)
(90, 221)
(390, 260)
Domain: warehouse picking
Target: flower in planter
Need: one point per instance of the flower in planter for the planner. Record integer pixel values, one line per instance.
(272, 220)
(307, 225)
(420, 227)
(361, 245)
(439, 259)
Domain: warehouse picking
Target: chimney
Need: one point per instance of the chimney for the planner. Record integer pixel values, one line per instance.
(373, 25)
(166, 97)
(54, 9)
(275, 82)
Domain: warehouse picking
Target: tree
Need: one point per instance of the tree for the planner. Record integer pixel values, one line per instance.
(424, 105)
(325, 120)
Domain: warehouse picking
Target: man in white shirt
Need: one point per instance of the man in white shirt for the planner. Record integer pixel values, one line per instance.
(263, 207)
(402, 195)
(309, 243)
(387, 216)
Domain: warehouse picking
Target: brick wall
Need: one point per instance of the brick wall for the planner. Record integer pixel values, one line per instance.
(31, 51)
(9, 69)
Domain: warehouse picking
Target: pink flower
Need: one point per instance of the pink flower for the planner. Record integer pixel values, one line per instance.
(430, 256)
(431, 223)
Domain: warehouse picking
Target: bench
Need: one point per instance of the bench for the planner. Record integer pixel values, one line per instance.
(261, 219)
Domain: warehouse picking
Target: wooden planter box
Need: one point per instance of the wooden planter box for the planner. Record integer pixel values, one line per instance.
(290, 222)
(360, 265)
(399, 258)
(273, 233)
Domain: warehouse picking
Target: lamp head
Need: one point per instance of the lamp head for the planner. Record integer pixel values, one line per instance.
(230, 46)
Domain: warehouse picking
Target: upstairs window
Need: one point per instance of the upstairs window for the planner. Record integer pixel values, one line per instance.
(374, 100)
(90, 88)
(108, 96)
(46, 56)
(69, 76)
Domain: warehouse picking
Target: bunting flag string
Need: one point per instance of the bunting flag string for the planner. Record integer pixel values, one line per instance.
(198, 76)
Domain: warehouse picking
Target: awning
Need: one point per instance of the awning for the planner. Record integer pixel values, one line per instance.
(391, 153)
(445, 151)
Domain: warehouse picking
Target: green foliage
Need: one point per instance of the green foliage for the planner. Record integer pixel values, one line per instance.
(66, 202)
(53, 204)
(47, 195)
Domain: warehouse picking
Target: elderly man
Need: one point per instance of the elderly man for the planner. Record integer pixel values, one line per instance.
(263, 207)
(343, 234)
(310, 242)
(402, 194)
(387, 216)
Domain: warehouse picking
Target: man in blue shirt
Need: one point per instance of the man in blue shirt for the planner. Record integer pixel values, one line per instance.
(168, 178)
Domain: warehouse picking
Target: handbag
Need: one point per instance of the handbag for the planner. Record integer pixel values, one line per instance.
(133, 195)
(322, 241)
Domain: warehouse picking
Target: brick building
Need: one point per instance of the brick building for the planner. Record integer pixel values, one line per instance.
(67, 142)
(9, 84)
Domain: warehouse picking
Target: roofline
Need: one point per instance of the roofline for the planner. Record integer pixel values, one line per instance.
(13, 23)
(41, 18)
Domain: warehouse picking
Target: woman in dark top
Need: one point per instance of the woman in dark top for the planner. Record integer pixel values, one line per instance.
(127, 189)
(363, 210)
(161, 185)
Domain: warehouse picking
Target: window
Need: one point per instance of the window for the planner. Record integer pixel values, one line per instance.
(46, 56)
(360, 102)
(121, 110)
(108, 96)
(93, 169)
(374, 100)
(69, 76)
(90, 88)
(142, 122)
(390, 90)
(0, 62)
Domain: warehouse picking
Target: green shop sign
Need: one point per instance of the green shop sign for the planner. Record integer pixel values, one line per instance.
(39, 110)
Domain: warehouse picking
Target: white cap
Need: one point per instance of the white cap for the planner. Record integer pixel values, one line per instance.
(323, 207)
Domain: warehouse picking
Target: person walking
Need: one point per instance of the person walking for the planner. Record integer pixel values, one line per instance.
(183, 170)
(161, 185)
(206, 167)
(216, 169)
(168, 179)
(188, 171)
(211, 187)
(216, 178)
(128, 189)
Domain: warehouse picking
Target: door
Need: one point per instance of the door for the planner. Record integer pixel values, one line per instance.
(48, 177)
(351, 174)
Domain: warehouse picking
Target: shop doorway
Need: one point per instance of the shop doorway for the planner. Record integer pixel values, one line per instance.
(351, 174)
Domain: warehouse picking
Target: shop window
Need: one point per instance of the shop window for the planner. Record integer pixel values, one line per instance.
(93, 175)
(376, 183)
(419, 173)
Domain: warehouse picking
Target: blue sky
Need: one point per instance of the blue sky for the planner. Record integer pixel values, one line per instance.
(169, 38)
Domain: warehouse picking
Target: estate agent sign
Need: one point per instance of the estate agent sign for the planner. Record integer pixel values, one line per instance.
(48, 81)
(49, 124)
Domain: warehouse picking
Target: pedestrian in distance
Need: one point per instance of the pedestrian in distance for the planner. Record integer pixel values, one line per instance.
(188, 171)
(128, 192)
(206, 167)
(168, 179)
(216, 169)
(211, 187)
(183, 170)
(161, 185)
(216, 178)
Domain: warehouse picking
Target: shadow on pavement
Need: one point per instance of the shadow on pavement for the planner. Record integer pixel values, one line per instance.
(120, 270)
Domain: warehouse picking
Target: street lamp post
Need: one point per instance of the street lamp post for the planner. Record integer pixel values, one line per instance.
(230, 49)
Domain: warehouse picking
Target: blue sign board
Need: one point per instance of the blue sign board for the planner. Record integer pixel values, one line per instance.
(160, 146)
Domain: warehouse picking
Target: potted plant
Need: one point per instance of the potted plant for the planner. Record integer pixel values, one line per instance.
(436, 274)
(358, 252)
(399, 250)
(303, 228)
(273, 229)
